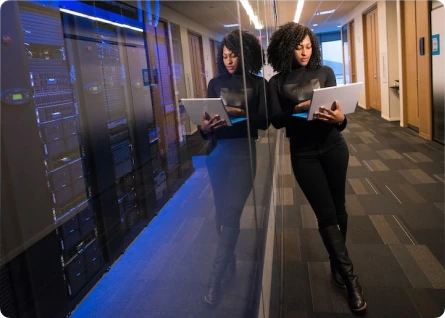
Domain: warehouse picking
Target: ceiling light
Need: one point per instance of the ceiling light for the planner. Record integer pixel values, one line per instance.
(252, 16)
(324, 12)
(315, 25)
(100, 20)
(338, 26)
(300, 5)
(231, 25)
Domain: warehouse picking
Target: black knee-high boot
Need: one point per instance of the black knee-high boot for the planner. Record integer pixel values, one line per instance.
(343, 224)
(224, 254)
(230, 272)
(231, 268)
(334, 243)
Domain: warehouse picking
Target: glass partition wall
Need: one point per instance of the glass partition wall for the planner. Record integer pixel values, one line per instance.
(114, 202)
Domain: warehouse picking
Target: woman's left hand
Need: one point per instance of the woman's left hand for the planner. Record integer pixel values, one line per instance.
(332, 116)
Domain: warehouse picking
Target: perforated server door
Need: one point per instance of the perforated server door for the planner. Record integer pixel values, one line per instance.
(170, 132)
(158, 146)
(26, 202)
(110, 96)
(84, 57)
(58, 119)
(148, 159)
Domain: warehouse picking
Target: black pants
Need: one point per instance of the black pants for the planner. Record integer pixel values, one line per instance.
(229, 168)
(320, 171)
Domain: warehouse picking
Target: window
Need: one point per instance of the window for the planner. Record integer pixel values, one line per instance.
(332, 54)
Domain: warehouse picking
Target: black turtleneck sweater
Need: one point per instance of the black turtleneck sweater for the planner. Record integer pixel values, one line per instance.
(288, 90)
(231, 89)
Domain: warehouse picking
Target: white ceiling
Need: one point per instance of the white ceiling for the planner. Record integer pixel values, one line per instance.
(326, 23)
(211, 14)
(214, 14)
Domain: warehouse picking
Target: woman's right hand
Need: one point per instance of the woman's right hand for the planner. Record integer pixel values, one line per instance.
(210, 124)
(302, 107)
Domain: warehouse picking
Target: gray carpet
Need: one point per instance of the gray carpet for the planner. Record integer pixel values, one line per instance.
(395, 199)
(396, 239)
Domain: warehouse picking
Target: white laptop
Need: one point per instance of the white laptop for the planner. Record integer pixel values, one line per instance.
(346, 95)
(196, 107)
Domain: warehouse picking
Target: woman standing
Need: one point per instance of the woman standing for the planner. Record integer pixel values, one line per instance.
(319, 153)
(230, 165)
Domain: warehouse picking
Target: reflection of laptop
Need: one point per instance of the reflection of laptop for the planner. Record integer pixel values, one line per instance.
(346, 95)
(196, 107)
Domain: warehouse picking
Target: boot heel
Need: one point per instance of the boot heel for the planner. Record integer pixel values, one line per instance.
(356, 301)
(338, 253)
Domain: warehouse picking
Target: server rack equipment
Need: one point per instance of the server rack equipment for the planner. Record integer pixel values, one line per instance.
(58, 116)
(83, 170)
(117, 140)
(58, 120)
(47, 186)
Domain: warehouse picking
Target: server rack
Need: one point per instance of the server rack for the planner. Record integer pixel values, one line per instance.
(118, 110)
(78, 119)
(58, 120)
(60, 256)
(175, 158)
(149, 158)
(167, 97)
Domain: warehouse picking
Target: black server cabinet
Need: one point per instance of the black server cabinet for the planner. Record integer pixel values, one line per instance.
(65, 154)
(116, 109)
(82, 55)
(51, 226)
(177, 161)
(147, 153)
(24, 181)
(82, 170)
(30, 249)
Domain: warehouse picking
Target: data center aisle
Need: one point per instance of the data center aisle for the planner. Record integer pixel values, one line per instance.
(165, 272)
(395, 201)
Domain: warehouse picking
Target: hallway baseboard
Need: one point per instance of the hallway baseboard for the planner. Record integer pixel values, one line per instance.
(390, 118)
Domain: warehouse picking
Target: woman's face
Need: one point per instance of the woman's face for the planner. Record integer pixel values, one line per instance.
(230, 60)
(303, 52)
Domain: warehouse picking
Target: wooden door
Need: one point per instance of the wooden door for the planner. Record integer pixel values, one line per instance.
(346, 55)
(214, 55)
(351, 41)
(416, 66)
(422, 114)
(216, 45)
(197, 64)
(410, 63)
(349, 53)
(372, 60)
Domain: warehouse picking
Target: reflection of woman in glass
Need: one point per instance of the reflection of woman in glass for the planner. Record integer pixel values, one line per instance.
(229, 165)
(319, 153)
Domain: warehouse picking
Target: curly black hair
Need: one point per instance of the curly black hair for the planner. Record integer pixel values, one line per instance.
(280, 53)
(253, 52)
